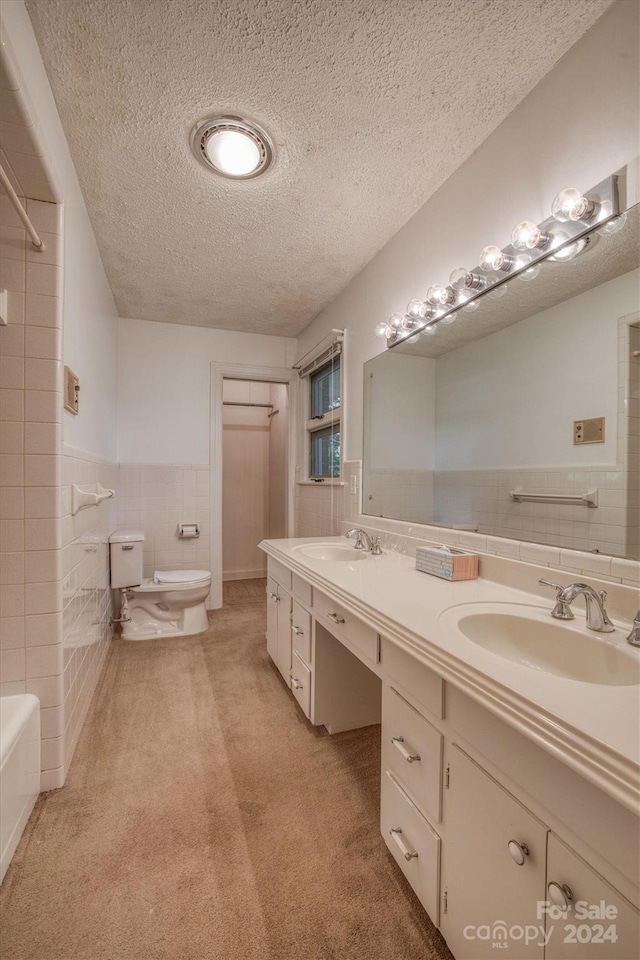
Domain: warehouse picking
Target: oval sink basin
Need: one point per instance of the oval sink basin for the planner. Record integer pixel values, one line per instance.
(528, 636)
(332, 551)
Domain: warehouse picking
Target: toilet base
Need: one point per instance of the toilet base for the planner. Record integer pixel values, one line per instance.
(142, 626)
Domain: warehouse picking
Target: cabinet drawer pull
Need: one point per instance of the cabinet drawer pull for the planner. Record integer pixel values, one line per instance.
(335, 618)
(518, 851)
(398, 743)
(560, 894)
(406, 853)
(274, 596)
(296, 683)
(298, 631)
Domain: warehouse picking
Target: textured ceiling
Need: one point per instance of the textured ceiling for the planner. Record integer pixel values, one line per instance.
(371, 104)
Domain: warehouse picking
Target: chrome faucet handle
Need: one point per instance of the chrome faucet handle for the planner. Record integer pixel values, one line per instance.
(634, 636)
(376, 549)
(562, 609)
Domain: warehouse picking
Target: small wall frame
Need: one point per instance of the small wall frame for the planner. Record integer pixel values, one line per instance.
(71, 391)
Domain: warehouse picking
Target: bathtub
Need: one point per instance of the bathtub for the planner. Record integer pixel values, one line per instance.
(19, 769)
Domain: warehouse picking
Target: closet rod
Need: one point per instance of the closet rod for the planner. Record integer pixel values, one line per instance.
(239, 403)
(22, 213)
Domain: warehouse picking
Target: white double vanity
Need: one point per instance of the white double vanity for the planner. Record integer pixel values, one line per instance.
(510, 741)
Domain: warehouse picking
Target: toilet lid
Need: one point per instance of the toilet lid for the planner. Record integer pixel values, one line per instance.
(180, 576)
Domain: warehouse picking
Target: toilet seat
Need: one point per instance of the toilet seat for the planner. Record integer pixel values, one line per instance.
(181, 576)
(185, 580)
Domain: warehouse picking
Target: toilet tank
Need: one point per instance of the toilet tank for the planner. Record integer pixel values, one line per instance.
(125, 551)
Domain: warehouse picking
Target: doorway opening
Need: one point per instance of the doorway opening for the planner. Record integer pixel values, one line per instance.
(255, 460)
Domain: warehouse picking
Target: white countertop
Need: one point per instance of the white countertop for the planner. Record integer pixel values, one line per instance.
(593, 728)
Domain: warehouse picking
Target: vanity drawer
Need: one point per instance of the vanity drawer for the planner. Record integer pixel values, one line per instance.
(345, 626)
(412, 749)
(301, 632)
(301, 590)
(413, 844)
(279, 572)
(301, 683)
(420, 684)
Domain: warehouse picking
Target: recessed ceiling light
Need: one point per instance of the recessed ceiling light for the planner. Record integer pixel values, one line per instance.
(232, 147)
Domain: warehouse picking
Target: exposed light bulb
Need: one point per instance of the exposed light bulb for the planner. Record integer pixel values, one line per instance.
(395, 320)
(417, 309)
(391, 333)
(463, 279)
(528, 236)
(233, 152)
(381, 328)
(571, 205)
(493, 259)
(409, 323)
(441, 296)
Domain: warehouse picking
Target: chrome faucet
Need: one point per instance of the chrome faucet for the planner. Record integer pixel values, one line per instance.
(634, 636)
(364, 541)
(597, 617)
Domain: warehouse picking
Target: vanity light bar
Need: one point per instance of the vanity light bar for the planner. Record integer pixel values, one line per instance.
(573, 216)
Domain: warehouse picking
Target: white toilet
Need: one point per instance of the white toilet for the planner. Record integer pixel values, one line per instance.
(171, 604)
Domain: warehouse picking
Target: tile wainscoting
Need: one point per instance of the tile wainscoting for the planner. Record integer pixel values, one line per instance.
(86, 593)
(155, 498)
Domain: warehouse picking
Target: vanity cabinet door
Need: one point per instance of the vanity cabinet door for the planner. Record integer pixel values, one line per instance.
(301, 632)
(272, 619)
(283, 661)
(415, 846)
(487, 894)
(599, 923)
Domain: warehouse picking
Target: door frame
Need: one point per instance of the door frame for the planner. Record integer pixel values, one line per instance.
(237, 371)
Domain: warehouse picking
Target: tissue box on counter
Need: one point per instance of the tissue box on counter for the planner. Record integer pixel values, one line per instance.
(447, 562)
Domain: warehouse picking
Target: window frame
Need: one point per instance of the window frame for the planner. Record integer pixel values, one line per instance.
(323, 421)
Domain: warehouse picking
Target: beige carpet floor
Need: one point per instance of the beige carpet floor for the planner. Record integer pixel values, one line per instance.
(205, 819)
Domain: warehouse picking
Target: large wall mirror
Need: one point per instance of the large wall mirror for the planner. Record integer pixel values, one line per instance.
(521, 419)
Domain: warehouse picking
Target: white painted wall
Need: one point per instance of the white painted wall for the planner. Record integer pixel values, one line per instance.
(164, 385)
(581, 123)
(510, 399)
(89, 312)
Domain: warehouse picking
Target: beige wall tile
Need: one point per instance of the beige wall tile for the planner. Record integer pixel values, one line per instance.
(42, 406)
(43, 375)
(12, 602)
(11, 437)
(44, 661)
(11, 503)
(43, 629)
(44, 216)
(12, 665)
(41, 503)
(41, 535)
(12, 341)
(12, 405)
(41, 470)
(12, 633)
(12, 275)
(42, 342)
(12, 243)
(12, 373)
(42, 438)
(41, 565)
(12, 534)
(42, 311)
(44, 279)
(11, 568)
(48, 689)
(11, 470)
